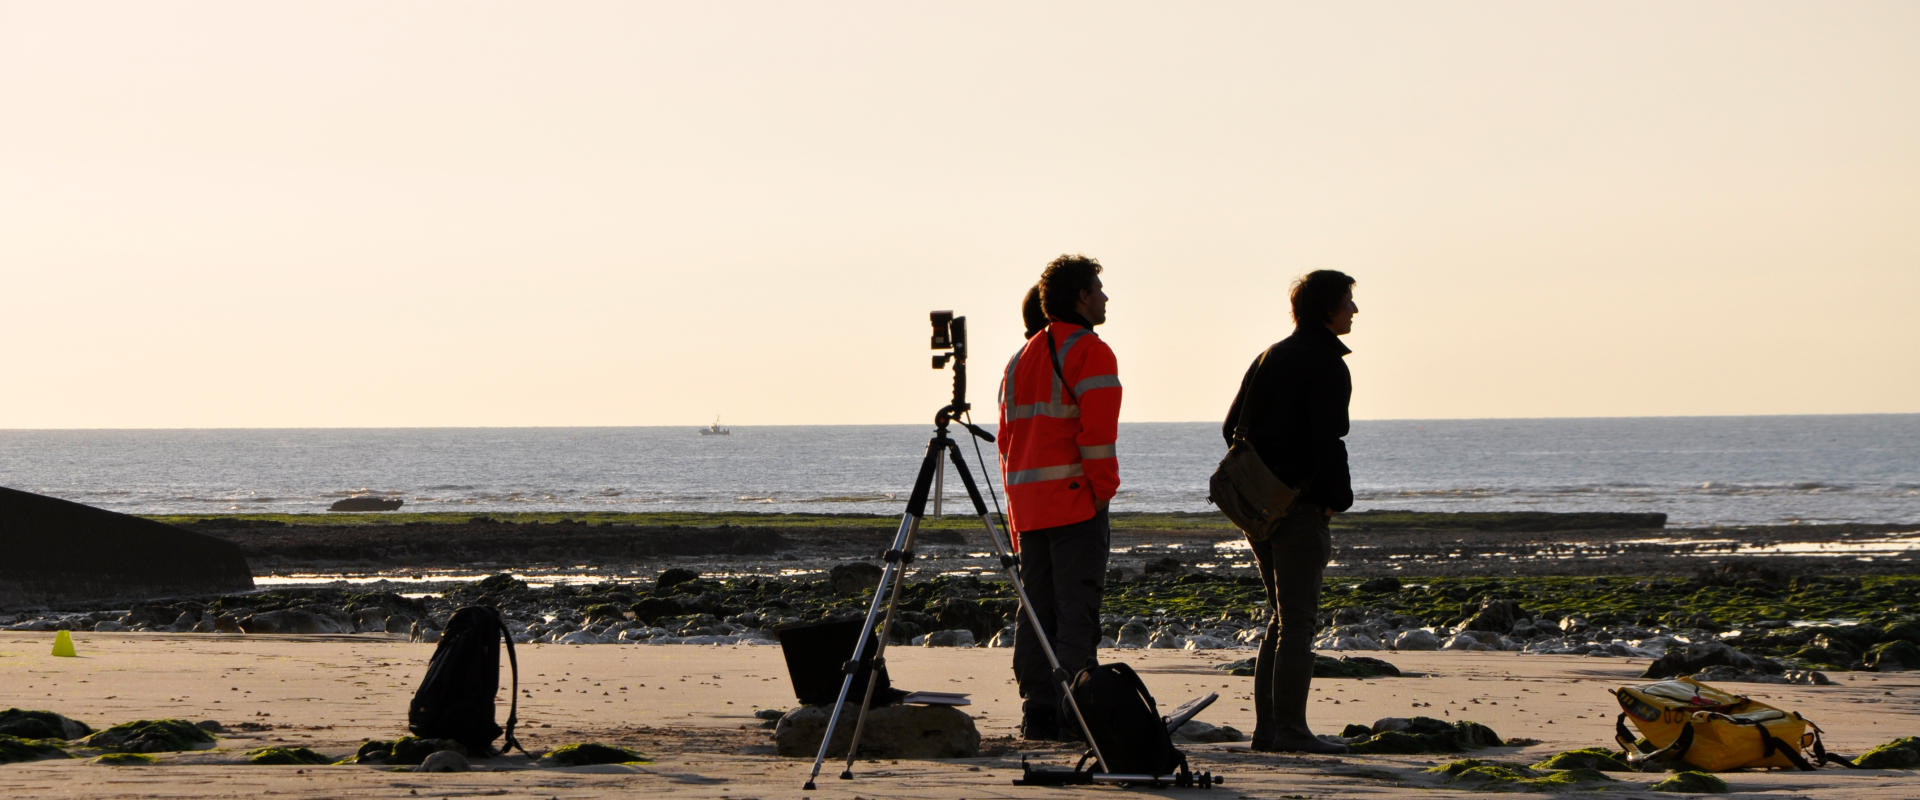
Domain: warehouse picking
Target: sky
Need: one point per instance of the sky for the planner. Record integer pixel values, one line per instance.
(343, 214)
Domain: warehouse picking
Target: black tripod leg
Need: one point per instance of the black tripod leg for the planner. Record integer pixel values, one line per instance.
(896, 562)
(1008, 563)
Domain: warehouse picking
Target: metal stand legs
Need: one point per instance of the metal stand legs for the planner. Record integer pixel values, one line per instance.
(890, 581)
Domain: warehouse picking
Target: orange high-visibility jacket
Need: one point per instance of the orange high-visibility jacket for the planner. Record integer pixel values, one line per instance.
(1056, 439)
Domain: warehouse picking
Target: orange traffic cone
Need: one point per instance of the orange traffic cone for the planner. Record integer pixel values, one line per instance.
(63, 645)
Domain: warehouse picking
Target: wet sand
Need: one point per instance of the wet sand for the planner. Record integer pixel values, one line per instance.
(690, 708)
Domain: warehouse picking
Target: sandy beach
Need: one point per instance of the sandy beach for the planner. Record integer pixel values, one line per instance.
(690, 710)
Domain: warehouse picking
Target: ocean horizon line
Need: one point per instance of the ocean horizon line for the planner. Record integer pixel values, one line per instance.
(731, 426)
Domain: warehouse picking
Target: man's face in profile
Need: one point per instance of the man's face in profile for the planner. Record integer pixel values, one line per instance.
(1093, 302)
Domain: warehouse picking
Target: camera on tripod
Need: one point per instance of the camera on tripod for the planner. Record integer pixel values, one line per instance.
(949, 333)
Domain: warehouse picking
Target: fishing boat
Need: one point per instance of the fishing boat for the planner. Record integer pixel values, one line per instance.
(715, 429)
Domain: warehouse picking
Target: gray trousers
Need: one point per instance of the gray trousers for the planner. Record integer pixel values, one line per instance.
(1292, 562)
(1064, 570)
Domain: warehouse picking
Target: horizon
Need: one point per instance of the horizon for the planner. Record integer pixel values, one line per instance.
(224, 215)
(731, 426)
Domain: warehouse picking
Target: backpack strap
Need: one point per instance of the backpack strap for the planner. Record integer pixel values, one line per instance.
(1675, 751)
(1820, 754)
(513, 706)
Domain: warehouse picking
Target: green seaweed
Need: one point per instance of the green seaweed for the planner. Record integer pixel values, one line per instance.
(41, 725)
(1593, 758)
(1512, 776)
(1901, 753)
(150, 736)
(286, 755)
(1691, 782)
(585, 753)
(1329, 667)
(404, 751)
(126, 759)
(16, 748)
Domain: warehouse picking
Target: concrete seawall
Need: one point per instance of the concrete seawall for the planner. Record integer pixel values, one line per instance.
(54, 551)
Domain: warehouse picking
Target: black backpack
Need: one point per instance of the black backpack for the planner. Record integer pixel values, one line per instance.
(455, 699)
(1125, 722)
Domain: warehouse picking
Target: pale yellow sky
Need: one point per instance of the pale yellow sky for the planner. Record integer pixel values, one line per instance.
(378, 214)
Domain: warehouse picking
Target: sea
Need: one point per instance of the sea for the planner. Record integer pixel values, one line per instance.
(1699, 471)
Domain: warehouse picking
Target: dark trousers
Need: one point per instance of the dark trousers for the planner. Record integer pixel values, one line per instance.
(1292, 562)
(1064, 570)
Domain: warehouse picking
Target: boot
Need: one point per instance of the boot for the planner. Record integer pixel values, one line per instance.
(1040, 723)
(1291, 682)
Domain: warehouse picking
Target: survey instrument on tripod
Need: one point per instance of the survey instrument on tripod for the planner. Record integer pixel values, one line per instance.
(949, 333)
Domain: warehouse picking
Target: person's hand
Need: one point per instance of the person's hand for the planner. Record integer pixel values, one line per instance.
(1100, 506)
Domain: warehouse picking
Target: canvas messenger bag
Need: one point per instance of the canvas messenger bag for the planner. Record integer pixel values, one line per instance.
(1242, 486)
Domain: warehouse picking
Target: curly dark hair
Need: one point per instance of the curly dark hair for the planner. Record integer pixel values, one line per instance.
(1317, 294)
(1062, 282)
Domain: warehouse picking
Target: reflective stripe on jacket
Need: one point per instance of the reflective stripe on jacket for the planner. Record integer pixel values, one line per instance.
(1057, 439)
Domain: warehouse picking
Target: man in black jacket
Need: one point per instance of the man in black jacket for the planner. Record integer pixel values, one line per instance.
(1297, 414)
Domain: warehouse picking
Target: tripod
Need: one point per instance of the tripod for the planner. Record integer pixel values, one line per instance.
(902, 552)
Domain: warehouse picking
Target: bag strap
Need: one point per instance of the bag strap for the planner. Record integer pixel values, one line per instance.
(1053, 350)
(513, 707)
(1675, 751)
(1820, 754)
(1240, 428)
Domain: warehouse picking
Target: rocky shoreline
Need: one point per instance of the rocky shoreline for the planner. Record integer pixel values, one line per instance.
(1740, 623)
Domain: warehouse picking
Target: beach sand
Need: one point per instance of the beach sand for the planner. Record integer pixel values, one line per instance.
(690, 709)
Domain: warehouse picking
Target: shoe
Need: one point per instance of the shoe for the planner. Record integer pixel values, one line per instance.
(1309, 745)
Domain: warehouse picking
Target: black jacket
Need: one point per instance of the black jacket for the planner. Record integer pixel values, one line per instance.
(1300, 414)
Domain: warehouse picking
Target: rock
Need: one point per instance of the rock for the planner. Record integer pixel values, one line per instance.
(588, 753)
(41, 725)
(398, 623)
(1135, 634)
(1006, 636)
(1495, 615)
(185, 621)
(1164, 566)
(891, 732)
(1380, 585)
(1700, 655)
(108, 626)
(1377, 666)
(1460, 641)
(227, 623)
(1164, 639)
(445, 761)
(1243, 667)
(1206, 643)
(205, 625)
(1691, 783)
(210, 726)
(1416, 639)
(1894, 656)
(405, 751)
(369, 620)
(581, 637)
(1573, 624)
(151, 736)
(1903, 753)
(293, 621)
(853, 578)
(952, 638)
(1197, 731)
(674, 576)
(367, 504)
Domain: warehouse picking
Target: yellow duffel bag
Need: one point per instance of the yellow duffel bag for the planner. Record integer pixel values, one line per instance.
(1715, 730)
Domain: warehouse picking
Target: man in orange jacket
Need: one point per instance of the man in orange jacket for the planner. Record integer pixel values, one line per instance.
(1059, 416)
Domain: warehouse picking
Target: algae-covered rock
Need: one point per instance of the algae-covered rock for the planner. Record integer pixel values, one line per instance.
(1474, 734)
(1691, 783)
(445, 761)
(286, 755)
(1356, 732)
(1330, 667)
(150, 736)
(585, 753)
(41, 725)
(125, 759)
(405, 751)
(1402, 743)
(1902, 753)
(1894, 656)
(1593, 758)
(1570, 777)
(15, 748)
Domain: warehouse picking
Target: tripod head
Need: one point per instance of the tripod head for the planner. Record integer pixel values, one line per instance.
(950, 333)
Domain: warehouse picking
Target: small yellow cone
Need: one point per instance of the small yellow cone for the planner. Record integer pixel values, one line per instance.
(63, 645)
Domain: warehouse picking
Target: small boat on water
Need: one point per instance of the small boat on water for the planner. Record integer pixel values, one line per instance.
(715, 429)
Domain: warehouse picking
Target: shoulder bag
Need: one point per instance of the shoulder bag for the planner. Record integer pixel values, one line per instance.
(1242, 486)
